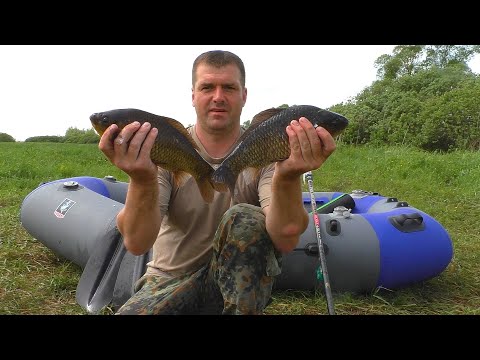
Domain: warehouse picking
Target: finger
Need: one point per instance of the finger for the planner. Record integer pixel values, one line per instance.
(306, 150)
(295, 149)
(123, 138)
(147, 146)
(106, 140)
(137, 142)
(328, 143)
(315, 142)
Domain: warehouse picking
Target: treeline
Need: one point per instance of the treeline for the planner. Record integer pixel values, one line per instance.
(72, 135)
(426, 97)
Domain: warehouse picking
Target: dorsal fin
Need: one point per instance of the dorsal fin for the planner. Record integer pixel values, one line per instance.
(264, 115)
(179, 126)
(258, 119)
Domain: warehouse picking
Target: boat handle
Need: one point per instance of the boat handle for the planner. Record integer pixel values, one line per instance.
(311, 249)
(408, 222)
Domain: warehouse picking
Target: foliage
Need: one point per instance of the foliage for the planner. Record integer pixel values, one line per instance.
(4, 137)
(77, 136)
(426, 97)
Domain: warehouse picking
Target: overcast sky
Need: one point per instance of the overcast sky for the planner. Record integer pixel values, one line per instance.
(46, 89)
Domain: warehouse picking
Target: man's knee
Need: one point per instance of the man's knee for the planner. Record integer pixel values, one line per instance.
(246, 216)
(242, 231)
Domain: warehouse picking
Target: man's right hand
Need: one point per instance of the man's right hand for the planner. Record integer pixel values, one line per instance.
(129, 150)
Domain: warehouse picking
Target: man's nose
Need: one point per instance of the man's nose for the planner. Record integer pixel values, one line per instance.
(219, 94)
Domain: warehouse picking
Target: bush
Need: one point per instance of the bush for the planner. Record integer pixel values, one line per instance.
(77, 136)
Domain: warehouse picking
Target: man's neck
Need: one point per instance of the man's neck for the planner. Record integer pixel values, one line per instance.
(218, 144)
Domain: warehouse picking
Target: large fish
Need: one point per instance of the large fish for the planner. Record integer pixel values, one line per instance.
(266, 141)
(174, 148)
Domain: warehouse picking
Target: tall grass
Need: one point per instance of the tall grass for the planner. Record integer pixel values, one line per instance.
(33, 280)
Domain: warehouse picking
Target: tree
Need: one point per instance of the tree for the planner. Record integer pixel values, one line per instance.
(77, 136)
(246, 124)
(410, 59)
(6, 138)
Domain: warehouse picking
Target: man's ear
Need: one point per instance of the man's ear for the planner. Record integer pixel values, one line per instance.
(244, 96)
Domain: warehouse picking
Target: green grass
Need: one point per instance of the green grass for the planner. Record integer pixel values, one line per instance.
(33, 280)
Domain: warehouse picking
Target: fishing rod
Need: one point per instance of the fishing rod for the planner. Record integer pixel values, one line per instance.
(321, 252)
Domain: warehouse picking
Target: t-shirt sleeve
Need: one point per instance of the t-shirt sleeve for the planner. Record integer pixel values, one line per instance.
(165, 187)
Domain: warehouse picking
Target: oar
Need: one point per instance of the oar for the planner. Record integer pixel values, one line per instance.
(131, 270)
(96, 285)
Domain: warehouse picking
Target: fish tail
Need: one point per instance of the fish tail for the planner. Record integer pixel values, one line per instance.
(224, 179)
(205, 185)
(206, 189)
(220, 187)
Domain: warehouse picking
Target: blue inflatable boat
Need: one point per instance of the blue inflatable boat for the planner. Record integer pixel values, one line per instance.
(377, 242)
(369, 240)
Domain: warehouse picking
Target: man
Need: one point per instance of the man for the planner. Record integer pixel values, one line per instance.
(220, 257)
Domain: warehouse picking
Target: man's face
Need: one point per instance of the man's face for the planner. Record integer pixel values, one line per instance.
(218, 96)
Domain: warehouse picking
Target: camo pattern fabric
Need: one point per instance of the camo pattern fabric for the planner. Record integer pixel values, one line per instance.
(238, 280)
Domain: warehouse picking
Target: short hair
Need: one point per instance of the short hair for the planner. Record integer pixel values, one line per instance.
(219, 58)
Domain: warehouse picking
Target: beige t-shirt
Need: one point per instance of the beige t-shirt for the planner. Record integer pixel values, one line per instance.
(184, 242)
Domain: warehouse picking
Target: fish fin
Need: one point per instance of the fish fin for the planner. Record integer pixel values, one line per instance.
(180, 177)
(223, 178)
(220, 187)
(258, 119)
(179, 126)
(206, 189)
(251, 173)
(265, 115)
(205, 185)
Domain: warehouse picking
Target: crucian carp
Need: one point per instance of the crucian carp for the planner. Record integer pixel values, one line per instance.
(266, 141)
(174, 148)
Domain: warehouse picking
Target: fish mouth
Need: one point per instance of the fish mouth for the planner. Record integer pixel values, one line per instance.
(97, 123)
(100, 119)
(96, 117)
(334, 130)
(338, 125)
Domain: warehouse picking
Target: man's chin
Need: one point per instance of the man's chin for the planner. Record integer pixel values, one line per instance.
(220, 121)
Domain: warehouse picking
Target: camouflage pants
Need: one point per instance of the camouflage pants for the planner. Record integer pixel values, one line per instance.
(238, 279)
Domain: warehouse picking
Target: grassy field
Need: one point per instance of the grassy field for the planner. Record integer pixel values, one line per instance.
(33, 280)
